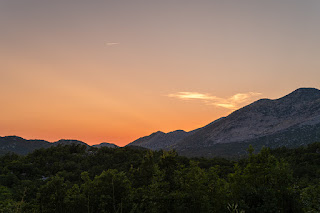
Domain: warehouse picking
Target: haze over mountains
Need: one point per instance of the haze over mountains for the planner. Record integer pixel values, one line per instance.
(291, 121)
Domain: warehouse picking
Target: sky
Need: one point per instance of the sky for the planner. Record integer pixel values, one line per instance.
(116, 70)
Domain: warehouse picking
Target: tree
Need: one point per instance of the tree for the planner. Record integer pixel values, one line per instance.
(7, 204)
(108, 192)
(75, 200)
(51, 195)
(192, 190)
(264, 185)
(310, 198)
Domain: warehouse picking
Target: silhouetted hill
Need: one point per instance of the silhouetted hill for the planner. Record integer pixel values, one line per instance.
(110, 145)
(20, 146)
(23, 146)
(68, 142)
(160, 140)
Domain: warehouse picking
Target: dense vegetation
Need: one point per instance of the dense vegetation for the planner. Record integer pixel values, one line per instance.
(78, 179)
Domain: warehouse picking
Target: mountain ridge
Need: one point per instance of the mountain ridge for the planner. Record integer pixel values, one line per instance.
(159, 140)
(296, 111)
(19, 145)
(262, 118)
(291, 120)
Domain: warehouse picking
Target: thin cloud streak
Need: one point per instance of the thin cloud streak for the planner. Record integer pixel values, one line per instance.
(112, 44)
(192, 95)
(233, 102)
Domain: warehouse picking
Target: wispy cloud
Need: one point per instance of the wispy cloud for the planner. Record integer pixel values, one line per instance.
(233, 102)
(191, 95)
(112, 43)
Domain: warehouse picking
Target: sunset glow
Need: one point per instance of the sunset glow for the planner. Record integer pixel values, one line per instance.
(114, 71)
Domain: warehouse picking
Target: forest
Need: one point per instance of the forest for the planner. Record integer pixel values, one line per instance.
(75, 178)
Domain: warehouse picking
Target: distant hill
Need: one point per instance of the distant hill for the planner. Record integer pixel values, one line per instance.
(110, 145)
(68, 142)
(20, 146)
(23, 146)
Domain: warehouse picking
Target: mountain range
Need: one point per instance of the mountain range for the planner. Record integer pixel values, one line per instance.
(160, 140)
(23, 146)
(290, 121)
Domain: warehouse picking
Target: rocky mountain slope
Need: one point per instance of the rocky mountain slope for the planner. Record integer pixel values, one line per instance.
(292, 120)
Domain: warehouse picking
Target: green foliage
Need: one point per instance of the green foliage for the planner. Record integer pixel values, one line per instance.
(7, 204)
(78, 179)
(51, 195)
(75, 200)
(263, 185)
(108, 192)
(310, 197)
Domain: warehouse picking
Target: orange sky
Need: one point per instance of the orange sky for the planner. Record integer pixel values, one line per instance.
(114, 71)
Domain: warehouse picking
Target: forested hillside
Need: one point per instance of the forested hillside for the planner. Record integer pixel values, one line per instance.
(75, 178)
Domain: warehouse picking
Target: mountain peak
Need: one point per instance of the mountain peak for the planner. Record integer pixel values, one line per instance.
(307, 89)
(304, 94)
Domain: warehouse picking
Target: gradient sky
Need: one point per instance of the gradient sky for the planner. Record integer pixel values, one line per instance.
(113, 71)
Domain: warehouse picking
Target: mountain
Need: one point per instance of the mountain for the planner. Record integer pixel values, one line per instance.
(68, 142)
(21, 146)
(292, 120)
(160, 140)
(110, 145)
